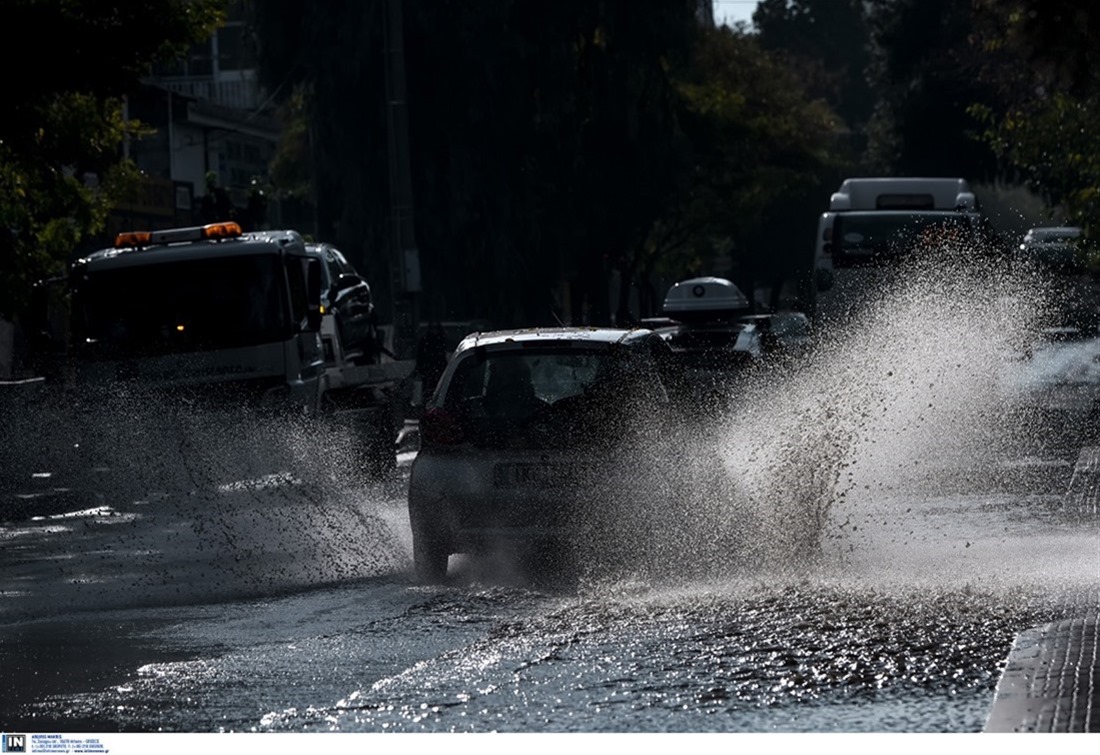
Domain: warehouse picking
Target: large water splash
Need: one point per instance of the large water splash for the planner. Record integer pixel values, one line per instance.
(908, 387)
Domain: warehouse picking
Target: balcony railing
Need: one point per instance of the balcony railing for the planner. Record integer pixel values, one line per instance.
(241, 92)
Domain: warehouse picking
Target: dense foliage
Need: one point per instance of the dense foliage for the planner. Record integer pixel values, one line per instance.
(1041, 58)
(61, 164)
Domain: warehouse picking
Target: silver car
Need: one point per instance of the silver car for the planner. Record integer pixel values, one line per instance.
(550, 436)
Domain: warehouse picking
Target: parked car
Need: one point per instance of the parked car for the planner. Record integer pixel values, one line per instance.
(1048, 234)
(348, 328)
(540, 437)
(1054, 247)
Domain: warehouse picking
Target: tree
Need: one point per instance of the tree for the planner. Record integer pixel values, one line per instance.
(325, 64)
(827, 42)
(762, 152)
(1040, 61)
(926, 80)
(552, 142)
(541, 139)
(61, 165)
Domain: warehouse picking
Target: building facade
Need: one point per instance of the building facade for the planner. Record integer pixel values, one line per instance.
(214, 133)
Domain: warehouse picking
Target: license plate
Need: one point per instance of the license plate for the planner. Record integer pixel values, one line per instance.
(532, 475)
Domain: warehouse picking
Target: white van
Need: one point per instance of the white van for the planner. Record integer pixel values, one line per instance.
(886, 195)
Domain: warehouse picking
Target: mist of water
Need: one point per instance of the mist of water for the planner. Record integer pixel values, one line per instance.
(912, 391)
(843, 463)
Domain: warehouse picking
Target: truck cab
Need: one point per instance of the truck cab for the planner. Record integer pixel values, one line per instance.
(207, 309)
(215, 315)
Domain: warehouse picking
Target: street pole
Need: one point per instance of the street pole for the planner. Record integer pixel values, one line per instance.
(404, 256)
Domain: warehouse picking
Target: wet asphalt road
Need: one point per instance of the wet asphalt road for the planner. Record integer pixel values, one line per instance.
(179, 573)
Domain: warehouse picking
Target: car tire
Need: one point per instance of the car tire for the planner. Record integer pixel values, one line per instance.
(430, 558)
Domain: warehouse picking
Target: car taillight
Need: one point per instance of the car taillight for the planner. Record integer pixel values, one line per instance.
(439, 427)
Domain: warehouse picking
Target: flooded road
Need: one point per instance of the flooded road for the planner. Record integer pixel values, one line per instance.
(863, 645)
(906, 500)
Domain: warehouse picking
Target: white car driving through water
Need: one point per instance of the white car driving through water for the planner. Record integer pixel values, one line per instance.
(554, 437)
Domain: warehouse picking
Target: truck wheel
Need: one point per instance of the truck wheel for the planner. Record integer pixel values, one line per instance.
(429, 558)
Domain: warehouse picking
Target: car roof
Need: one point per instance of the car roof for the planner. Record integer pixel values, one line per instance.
(700, 338)
(658, 322)
(867, 193)
(1059, 231)
(762, 316)
(595, 336)
(709, 328)
(323, 247)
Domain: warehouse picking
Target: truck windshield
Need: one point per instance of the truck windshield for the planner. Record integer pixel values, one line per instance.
(173, 307)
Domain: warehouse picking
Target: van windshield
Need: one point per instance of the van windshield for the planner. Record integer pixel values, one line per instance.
(186, 306)
(868, 238)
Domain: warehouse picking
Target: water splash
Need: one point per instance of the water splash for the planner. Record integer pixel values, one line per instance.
(210, 502)
(910, 385)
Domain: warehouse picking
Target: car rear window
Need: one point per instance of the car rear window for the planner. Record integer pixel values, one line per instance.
(548, 376)
(501, 393)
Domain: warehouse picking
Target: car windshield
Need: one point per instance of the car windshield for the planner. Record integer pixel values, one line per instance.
(182, 306)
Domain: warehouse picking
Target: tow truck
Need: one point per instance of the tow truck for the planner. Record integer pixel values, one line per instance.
(216, 314)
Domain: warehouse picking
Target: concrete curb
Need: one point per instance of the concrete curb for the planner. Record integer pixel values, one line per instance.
(1050, 681)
